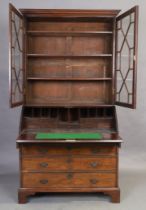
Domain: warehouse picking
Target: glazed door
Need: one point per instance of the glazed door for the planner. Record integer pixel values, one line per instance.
(16, 57)
(126, 58)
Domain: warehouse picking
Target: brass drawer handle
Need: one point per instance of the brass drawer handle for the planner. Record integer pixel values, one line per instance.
(94, 181)
(94, 164)
(44, 181)
(44, 165)
(69, 176)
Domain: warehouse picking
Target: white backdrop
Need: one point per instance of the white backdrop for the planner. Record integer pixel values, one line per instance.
(132, 123)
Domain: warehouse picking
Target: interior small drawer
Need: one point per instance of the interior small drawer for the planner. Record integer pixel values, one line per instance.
(64, 180)
(69, 164)
(68, 149)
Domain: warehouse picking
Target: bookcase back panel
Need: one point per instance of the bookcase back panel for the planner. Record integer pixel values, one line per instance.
(47, 45)
(71, 25)
(91, 45)
(70, 45)
(91, 91)
(69, 61)
(41, 91)
(67, 67)
(44, 92)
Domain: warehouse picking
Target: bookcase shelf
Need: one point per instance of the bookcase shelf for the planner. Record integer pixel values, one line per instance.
(69, 79)
(68, 33)
(67, 56)
(69, 104)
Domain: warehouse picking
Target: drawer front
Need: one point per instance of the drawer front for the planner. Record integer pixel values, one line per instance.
(63, 180)
(44, 164)
(94, 163)
(68, 149)
(69, 163)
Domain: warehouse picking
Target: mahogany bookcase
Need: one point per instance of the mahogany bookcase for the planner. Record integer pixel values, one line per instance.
(68, 70)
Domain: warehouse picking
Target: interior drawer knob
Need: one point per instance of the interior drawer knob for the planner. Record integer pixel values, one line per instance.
(94, 181)
(93, 164)
(69, 176)
(69, 147)
(44, 164)
(43, 181)
(95, 151)
(69, 160)
(43, 150)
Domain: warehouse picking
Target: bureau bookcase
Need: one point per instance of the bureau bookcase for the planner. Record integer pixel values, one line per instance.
(68, 70)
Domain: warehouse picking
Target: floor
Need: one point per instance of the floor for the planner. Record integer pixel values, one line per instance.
(132, 184)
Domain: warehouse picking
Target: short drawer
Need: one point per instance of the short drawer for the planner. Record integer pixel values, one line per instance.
(94, 164)
(69, 163)
(44, 164)
(46, 149)
(63, 180)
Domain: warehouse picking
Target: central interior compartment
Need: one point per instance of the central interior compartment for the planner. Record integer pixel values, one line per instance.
(58, 119)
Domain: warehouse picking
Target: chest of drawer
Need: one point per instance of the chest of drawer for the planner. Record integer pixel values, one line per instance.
(69, 163)
(76, 149)
(63, 180)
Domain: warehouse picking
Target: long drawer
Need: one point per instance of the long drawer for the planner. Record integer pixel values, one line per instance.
(64, 180)
(46, 149)
(68, 163)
